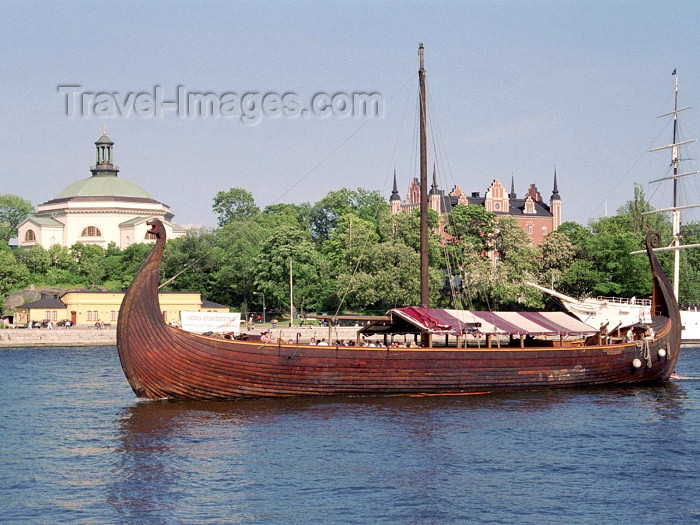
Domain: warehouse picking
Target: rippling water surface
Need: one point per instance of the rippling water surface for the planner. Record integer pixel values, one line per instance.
(78, 447)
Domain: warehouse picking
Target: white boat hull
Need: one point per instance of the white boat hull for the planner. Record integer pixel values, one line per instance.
(596, 312)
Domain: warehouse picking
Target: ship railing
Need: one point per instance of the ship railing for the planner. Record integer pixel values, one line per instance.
(624, 300)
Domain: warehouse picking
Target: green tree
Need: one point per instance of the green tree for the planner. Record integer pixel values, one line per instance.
(90, 260)
(234, 204)
(13, 274)
(472, 224)
(238, 244)
(404, 228)
(387, 275)
(13, 210)
(311, 284)
(518, 263)
(35, 258)
(61, 258)
(131, 260)
(191, 261)
(296, 214)
(558, 254)
(351, 238)
(636, 212)
(689, 285)
(603, 264)
(367, 205)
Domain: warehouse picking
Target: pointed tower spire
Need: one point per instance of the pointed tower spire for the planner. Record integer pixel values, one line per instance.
(555, 190)
(512, 195)
(395, 192)
(434, 188)
(555, 203)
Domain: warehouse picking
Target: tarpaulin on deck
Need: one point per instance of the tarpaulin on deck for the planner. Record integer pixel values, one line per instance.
(456, 322)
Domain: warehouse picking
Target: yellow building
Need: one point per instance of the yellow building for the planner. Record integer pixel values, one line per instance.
(88, 308)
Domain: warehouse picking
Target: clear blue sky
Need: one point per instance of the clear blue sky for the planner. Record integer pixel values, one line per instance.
(516, 88)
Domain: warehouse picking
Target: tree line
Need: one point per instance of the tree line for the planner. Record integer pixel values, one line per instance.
(348, 253)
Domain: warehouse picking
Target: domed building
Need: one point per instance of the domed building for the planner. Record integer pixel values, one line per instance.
(99, 209)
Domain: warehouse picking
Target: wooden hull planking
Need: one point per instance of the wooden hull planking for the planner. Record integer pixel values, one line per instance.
(161, 361)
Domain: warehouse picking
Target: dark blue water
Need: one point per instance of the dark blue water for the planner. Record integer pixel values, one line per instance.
(77, 447)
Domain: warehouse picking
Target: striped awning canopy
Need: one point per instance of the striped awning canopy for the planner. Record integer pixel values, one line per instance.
(455, 322)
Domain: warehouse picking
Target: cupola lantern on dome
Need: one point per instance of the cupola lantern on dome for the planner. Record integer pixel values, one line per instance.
(103, 165)
(98, 209)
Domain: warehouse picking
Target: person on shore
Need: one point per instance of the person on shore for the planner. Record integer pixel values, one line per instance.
(265, 337)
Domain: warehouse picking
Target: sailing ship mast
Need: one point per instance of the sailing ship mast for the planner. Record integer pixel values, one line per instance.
(424, 290)
(675, 209)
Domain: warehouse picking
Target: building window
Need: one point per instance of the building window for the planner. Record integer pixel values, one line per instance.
(544, 230)
(89, 315)
(165, 316)
(48, 315)
(91, 231)
(29, 236)
(150, 235)
(112, 315)
(497, 206)
(529, 229)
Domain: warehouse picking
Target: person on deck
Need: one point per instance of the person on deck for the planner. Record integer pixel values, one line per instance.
(649, 333)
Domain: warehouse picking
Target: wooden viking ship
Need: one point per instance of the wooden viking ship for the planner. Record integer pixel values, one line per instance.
(161, 361)
(515, 350)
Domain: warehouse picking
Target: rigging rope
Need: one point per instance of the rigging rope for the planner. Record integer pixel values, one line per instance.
(363, 248)
(337, 148)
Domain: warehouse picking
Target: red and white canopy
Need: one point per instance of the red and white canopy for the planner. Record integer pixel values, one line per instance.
(456, 322)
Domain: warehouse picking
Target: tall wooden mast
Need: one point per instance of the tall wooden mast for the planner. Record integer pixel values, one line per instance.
(424, 294)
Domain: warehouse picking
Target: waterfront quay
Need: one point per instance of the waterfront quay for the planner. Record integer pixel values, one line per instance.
(75, 336)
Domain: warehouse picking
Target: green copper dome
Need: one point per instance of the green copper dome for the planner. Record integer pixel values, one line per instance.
(103, 186)
(104, 181)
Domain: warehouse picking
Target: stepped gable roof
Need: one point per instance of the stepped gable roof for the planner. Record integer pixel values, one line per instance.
(517, 206)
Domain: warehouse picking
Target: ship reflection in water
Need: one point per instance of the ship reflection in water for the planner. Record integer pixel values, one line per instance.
(407, 460)
(78, 448)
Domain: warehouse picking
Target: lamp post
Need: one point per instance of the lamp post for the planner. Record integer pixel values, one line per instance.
(263, 296)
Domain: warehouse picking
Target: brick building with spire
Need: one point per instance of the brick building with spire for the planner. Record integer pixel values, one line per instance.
(533, 215)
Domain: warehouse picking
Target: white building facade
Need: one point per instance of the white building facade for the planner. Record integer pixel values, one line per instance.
(99, 209)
